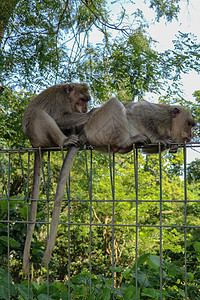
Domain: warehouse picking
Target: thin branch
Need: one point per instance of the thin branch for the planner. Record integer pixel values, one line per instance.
(104, 22)
(58, 27)
(61, 17)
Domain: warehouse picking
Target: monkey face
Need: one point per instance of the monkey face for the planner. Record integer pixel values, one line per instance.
(81, 106)
(182, 125)
(79, 97)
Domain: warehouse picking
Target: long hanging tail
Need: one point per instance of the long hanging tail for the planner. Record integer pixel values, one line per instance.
(64, 173)
(33, 211)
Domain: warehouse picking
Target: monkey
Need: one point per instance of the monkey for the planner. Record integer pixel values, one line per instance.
(55, 111)
(53, 118)
(117, 126)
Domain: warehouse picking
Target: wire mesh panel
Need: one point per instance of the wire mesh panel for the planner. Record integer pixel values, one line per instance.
(129, 226)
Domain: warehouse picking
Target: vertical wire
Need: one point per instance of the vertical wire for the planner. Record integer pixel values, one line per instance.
(9, 160)
(135, 156)
(185, 216)
(160, 169)
(27, 214)
(90, 195)
(48, 225)
(112, 177)
(69, 204)
(22, 169)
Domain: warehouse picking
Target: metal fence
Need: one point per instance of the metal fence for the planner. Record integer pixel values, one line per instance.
(22, 160)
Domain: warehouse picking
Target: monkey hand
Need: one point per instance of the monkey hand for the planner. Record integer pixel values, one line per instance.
(169, 145)
(72, 140)
(140, 139)
(165, 144)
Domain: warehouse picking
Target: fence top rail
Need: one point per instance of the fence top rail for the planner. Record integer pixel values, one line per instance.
(24, 150)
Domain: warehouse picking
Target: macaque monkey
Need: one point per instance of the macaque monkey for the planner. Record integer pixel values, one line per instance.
(118, 126)
(52, 118)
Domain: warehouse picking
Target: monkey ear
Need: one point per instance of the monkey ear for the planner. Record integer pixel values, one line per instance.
(69, 88)
(175, 112)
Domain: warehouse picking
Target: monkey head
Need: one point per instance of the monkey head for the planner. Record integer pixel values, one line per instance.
(182, 123)
(78, 96)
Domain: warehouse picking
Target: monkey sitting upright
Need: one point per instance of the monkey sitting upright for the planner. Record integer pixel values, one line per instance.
(55, 112)
(117, 126)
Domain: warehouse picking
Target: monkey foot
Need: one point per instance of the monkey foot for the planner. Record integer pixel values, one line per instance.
(140, 139)
(71, 141)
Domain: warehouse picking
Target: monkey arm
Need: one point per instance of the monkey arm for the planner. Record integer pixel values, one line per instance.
(68, 120)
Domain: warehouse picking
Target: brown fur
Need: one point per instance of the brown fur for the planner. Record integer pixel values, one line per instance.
(143, 122)
(55, 111)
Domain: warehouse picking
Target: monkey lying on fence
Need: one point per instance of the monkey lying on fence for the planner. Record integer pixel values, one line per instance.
(120, 125)
(51, 119)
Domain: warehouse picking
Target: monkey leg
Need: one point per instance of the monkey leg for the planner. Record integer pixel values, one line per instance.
(128, 145)
(33, 211)
(108, 125)
(43, 131)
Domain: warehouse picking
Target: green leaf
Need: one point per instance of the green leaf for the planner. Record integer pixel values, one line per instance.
(143, 279)
(106, 294)
(64, 296)
(142, 259)
(127, 273)
(44, 297)
(173, 270)
(118, 269)
(79, 290)
(4, 205)
(84, 279)
(60, 286)
(154, 261)
(23, 290)
(13, 242)
(197, 246)
(36, 285)
(91, 297)
(130, 293)
(4, 289)
(151, 293)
